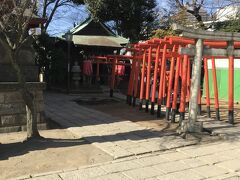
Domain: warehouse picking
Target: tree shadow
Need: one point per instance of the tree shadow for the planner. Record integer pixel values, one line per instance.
(21, 148)
(132, 135)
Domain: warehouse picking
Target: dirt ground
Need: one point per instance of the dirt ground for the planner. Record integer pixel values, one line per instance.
(58, 151)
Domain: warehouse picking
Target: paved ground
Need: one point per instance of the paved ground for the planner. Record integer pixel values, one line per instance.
(212, 161)
(116, 136)
(140, 152)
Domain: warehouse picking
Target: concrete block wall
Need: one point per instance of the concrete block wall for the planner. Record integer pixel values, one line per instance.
(13, 109)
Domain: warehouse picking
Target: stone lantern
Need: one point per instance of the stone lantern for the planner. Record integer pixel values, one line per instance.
(76, 74)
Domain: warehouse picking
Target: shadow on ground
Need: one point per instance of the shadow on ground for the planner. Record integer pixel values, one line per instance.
(20, 148)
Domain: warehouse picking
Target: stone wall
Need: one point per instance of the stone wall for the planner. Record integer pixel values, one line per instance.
(12, 108)
(8, 74)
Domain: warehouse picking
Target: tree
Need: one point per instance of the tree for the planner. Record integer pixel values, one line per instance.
(192, 7)
(167, 15)
(232, 25)
(51, 60)
(133, 19)
(48, 9)
(200, 8)
(15, 17)
(161, 33)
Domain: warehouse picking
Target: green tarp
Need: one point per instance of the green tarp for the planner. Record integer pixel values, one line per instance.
(222, 81)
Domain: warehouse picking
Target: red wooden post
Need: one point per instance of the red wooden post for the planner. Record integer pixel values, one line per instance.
(214, 74)
(148, 77)
(142, 80)
(184, 88)
(164, 86)
(231, 90)
(207, 87)
(175, 91)
(154, 86)
(188, 80)
(162, 76)
(170, 84)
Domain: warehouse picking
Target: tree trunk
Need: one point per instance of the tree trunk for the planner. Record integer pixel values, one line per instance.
(199, 20)
(28, 97)
(32, 131)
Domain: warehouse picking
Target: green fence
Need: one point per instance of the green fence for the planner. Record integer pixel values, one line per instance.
(222, 81)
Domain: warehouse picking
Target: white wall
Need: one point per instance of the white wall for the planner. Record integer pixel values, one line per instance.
(223, 63)
(227, 13)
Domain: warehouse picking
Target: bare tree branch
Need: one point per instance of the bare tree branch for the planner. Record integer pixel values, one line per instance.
(50, 8)
(180, 4)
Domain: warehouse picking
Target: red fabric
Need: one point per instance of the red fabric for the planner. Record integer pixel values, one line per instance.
(120, 70)
(87, 68)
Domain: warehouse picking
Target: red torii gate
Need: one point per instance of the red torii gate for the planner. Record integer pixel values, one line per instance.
(149, 61)
(198, 52)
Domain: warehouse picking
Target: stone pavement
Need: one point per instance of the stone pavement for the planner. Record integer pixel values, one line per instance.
(117, 137)
(140, 152)
(221, 128)
(219, 160)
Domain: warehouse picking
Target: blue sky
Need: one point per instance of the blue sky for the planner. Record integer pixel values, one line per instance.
(62, 23)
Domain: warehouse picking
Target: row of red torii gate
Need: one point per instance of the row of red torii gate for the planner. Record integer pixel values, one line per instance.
(168, 74)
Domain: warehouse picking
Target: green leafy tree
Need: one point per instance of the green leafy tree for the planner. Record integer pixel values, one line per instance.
(48, 9)
(133, 19)
(43, 46)
(51, 61)
(161, 33)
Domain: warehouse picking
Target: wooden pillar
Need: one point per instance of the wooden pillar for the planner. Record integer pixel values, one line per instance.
(230, 51)
(170, 84)
(148, 77)
(142, 84)
(184, 88)
(207, 87)
(175, 89)
(162, 76)
(154, 86)
(231, 90)
(214, 74)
